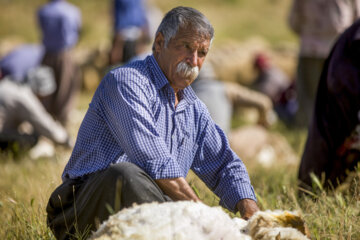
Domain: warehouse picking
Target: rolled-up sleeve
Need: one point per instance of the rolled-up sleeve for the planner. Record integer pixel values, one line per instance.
(127, 110)
(219, 167)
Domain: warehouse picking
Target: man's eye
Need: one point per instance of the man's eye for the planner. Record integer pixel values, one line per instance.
(202, 54)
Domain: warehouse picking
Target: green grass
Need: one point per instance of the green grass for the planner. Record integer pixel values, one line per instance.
(26, 186)
(24, 189)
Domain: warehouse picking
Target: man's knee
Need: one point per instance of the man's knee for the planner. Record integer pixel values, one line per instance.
(130, 175)
(124, 169)
(136, 185)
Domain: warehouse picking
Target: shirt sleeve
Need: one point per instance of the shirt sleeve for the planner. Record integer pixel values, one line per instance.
(219, 167)
(128, 114)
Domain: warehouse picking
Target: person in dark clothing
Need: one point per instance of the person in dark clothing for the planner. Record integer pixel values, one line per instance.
(327, 150)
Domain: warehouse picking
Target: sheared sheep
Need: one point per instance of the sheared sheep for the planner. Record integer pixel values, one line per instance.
(189, 220)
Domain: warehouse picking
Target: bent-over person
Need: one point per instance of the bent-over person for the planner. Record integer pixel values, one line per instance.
(17, 63)
(20, 103)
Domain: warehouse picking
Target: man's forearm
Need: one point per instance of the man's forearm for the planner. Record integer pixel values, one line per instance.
(177, 189)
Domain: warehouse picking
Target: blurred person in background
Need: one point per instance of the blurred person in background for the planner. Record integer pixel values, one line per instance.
(20, 103)
(221, 98)
(318, 23)
(131, 30)
(60, 24)
(19, 61)
(274, 83)
(333, 144)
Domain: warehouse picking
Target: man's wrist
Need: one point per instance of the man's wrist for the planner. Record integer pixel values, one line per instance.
(247, 207)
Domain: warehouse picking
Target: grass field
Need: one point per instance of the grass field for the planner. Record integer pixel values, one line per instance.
(26, 184)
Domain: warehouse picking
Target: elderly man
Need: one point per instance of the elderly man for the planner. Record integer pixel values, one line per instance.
(144, 130)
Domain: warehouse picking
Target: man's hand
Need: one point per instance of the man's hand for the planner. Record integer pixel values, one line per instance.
(247, 208)
(177, 189)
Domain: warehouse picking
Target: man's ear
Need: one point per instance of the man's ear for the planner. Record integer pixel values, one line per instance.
(159, 42)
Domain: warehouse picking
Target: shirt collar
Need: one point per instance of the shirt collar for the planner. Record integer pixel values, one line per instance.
(189, 95)
(160, 80)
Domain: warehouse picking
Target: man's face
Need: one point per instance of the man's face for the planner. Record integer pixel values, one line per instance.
(183, 57)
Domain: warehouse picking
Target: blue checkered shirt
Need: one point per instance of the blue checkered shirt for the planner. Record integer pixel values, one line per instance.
(132, 118)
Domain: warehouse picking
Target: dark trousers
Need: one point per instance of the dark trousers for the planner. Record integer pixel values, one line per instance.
(308, 77)
(67, 77)
(122, 50)
(78, 206)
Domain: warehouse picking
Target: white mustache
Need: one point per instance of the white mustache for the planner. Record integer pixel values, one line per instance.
(187, 71)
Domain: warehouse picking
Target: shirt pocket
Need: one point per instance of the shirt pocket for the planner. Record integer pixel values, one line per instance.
(184, 139)
(184, 136)
(184, 152)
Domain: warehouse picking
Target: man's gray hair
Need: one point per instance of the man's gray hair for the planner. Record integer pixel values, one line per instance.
(184, 17)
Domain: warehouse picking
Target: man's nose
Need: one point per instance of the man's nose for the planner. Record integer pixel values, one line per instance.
(193, 59)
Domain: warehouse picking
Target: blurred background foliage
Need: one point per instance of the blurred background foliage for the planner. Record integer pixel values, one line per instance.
(232, 19)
